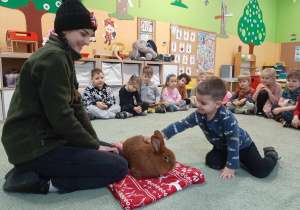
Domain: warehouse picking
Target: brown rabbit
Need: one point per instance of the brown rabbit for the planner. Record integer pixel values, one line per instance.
(148, 160)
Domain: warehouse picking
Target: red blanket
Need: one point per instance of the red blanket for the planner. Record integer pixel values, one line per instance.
(133, 193)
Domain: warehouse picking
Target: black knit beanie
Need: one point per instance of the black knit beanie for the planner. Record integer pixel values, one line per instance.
(72, 15)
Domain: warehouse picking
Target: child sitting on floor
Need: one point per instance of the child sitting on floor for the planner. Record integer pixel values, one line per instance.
(130, 100)
(296, 119)
(231, 144)
(228, 95)
(171, 95)
(99, 100)
(200, 78)
(284, 110)
(241, 102)
(267, 94)
(150, 92)
(182, 81)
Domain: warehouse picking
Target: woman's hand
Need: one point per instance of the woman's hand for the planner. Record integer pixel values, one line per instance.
(227, 172)
(109, 149)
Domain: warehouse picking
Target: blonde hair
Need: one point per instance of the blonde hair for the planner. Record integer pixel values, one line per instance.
(201, 75)
(270, 71)
(135, 80)
(147, 70)
(244, 77)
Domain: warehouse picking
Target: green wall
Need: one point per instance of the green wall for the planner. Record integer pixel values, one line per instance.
(197, 15)
(288, 20)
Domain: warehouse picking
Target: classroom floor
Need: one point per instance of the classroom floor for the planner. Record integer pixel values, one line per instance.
(278, 191)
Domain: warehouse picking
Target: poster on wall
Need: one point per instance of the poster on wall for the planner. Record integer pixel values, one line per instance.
(189, 48)
(185, 59)
(193, 37)
(181, 69)
(186, 35)
(206, 52)
(297, 54)
(177, 58)
(174, 46)
(189, 70)
(181, 47)
(179, 34)
(146, 29)
(192, 60)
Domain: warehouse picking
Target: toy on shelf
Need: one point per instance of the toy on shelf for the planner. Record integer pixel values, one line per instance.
(15, 39)
(115, 51)
(143, 50)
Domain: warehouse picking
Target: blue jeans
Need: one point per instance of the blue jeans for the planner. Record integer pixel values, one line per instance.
(75, 168)
(175, 107)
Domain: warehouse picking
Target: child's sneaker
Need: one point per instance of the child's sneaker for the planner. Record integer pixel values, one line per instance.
(286, 124)
(247, 112)
(270, 152)
(184, 108)
(170, 109)
(91, 117)
(127, 114)
(163, 110)
(144, 113)
(119, 115)
(270, 116)
(260, 114)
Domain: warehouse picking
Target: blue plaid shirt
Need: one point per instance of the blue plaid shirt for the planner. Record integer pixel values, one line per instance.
(288, 94)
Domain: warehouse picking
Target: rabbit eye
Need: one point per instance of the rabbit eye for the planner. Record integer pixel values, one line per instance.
(166, 158)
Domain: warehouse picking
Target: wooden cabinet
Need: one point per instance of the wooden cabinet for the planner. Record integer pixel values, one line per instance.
(10, 64)
(116, 72)
(244, 64)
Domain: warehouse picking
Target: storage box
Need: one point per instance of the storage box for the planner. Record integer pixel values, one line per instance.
(255, 80)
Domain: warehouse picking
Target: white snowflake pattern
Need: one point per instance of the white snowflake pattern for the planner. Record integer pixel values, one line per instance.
(46, 7)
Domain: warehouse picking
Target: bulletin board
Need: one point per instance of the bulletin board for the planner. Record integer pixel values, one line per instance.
(194, 50)
(289, 55)
(146, 29)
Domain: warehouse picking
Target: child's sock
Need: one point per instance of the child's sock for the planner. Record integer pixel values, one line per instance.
(129, 114)
(184, 108)
(144, 113)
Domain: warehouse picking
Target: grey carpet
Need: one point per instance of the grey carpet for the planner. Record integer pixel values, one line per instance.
(281, 190)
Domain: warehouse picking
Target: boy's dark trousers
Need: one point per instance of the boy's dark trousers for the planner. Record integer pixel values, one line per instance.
(126, 108)
(286, 116)
(249, 157)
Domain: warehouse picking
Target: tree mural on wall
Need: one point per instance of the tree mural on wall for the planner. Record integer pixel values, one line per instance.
(251, 28)
(121, 10)
(33, 11)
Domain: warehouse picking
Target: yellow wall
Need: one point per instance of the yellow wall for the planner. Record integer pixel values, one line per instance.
(127, 33)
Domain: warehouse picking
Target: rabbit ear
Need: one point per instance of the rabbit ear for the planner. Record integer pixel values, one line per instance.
(156, 143)
(159, 135)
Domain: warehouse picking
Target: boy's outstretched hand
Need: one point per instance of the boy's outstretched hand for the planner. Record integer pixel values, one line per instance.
(147, 138)
(227, 172)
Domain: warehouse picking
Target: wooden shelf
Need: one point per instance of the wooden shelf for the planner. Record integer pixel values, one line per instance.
(240, 59)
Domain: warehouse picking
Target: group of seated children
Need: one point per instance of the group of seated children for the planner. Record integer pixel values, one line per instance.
(268, 100)
(141, 96)
(138, 97)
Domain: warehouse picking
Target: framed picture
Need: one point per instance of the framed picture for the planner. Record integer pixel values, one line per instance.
(146, 29)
